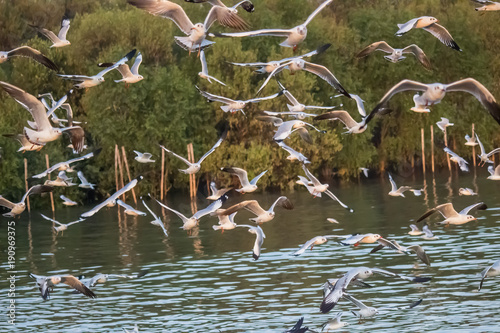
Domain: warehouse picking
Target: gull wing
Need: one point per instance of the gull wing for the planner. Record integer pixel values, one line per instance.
(356, 302)
(167, 10)
(443, 35)
(37, 189)
(317, 10)
(446, 210)
(210, 208)
(150, 211)
(76, 77)
(283, 202)
(262, 32)
(128, 207)
(258, 99)
(178, 156)
(215, 98)
(483, 152)
(419, 54)
(331, 195)
(203, 60)
(64, 29)
(69, 113)
(420, 254)
(354, 239)
(6, 203)
(137, 63)
(326, 75)
(180, 215)
(49, 170)
(479, 205)
(494, 151)
(84, 157)
(26, 51)
(359, 104)
(319, 50)
(249, 64)
(251, 205)
(47, 33)
(226, 17)
(124, 70)
(256, 178)
(377, 46)
(275, 71)
(341, 115)
(73, 282)
(405, 27)
(52, 220)
(311, 177)
(77, 137)
(217, 144)
(240, 173)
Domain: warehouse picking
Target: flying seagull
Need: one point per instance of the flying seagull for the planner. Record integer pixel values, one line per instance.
(129, 210)
(204, 70)
(143, 157)
(450, 214)
(157, 221)
(226, 222)
(429, 24)
(84, 182)
(18, 208)
(402, 249)
(443, 123)
(245, 4)
(396, 55)
(414, 230)
(254, 207)
(66, 166)
(466, 191)
(259, 238)
(457, 159)
(356, 239)
(485, 157)
(487, 5)
(318, 240)
(246, 186)
(25, 144)
(470, 141)
(28, 52)
(67, 201)
(428, 234)
(61, 226)
(494, 173)
(46, 283)
(58, 40)
(364, 171)
(286, 128)
(492, 270)
(217, 193)
(352, 126)
(333, 323)
(129, 75)
(61, 180)
(395, 191)
(293, 154)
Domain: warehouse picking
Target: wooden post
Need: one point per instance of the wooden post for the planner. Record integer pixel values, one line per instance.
(26, 182)
(120, 167)
(192, 179)
(128, 172)
(116, 171)
(446, 144)
(473, 147)
(423, 150)
(48, 177)
(162, 180)
(432, 148)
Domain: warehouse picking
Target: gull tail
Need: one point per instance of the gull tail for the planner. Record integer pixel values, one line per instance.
(188, 45)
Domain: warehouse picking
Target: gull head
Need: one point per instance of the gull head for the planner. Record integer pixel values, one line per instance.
(198, 27)
(57, 131)
(439, 87)
(55, 279)
(140, 77)
(3, 56)
(100, 79)
(301, 30)
(470, 218)
(240, 104)
(66, 42)
(366, 273)
(428, 20)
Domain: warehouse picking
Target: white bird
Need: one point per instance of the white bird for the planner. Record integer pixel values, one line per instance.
(396, 55)
(84, 182)
(429, 24)
(245, 4)
(18, 208)
(314, 186)
(445, 122)
(470, 141)
(450, 214)
(46, 283)
(217, 193)
(113, 197)
(66, 166)
(143, 157)
(352, 126)
(466, 191)
(494, 173)
(246, 186)
(364, 311)
(293, 154)
(85, 81)
(414, 230)
(395, 191)
(485, 157)
(26, 145)
(419, 251)
(61, 226)
(61, 180)
(45, 132)
(254, 207)
(234, 105)
(226, 222)
(195, 167)
(286, 128)
(68, 201)
(488, 5)
(462, 163)
(28, 52)
(318, 240)
(433, 94)
(492, 270)
(293, 36)
(58, 40)
(428, 234)
(417, 192)
(334, 323)
(129, 210)
(129, 75)
(259, 238)
(157, 221)
(356, 239)
(364, 171)
(204, 70)
(332, 220)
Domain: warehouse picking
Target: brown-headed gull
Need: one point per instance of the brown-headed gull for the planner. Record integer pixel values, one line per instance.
(395, 191)
(129, 210)
(46, 283)
(368, 311)
(19, 207)
(352, 126)
(466, 191)
(67, 201)
(318, 240)
(393, 245)
(471, 141)
(61, 226)
(61, 180)
(396, 55)
(494, 173)
(45, 132)
(293, 36)
(443, 123)
(429, 24)
(254, 207)
(58, 40)
(415, 231)
(84, 183)
(143, 157)
(333, 323)
(26, 145)
(492, 270)
(217, 193)
(103, 278)
(487, 5)
(129, 75)
(84, 81)
(157, 221)
(246, 186)
(293, 154)
(28, 52)
(66, 166)
(286, 128)
(356, 239)
(226, 222)
(433, 94)
(259, 238)
(485, 157)
(450, 214)
(462, 163)
(204, 70)
(299, 108)
(245, 4)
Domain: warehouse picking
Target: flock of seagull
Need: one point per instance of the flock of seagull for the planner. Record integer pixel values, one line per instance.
(47, 127)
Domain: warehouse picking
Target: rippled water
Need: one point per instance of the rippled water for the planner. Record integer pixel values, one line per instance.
(209, 281)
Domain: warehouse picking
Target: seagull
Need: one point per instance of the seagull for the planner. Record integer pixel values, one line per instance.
(488, 5)
(294, 155)
(157, 221)
(450, 214)
(204, 70)
(68, 201)
(351, 125)
(414, 230)
(226, 222)
(318, 240)
(396, 55)
(484, 158)
(45, 132)
(26, 145)
(129, 210)
(470, 141)
(457, 159)
(84, 181)
(494, 173)
(356, 239)
(59, 40)
(297, 328)
(259, 238)
(46, 283)
(338, 290)
(364, 311)
(286, 128)
(92, 81)
(332, 220)
(246, 4)
(429, 24)
(492, 270)
(135, 330)
(402, 249)
(28, 52)
(445, 122)
(66, 166)
(103, 278)
(234, 105)
(466, 191)
(129, 75)
(254, 207)
(143, 157)
(334, 323)
(18, 208)
(195, 167)
(217, 193)
(314, 187)
(293, 36)
(190, 223)
(395, 191)
(246, 186)
(113, 197)
(61, 226)
(433, 94)
(416, 192)
(61, 180)
(359, 103)
(428, 234)
(364, 171)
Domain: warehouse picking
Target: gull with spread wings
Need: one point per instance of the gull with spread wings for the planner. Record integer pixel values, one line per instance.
(47, 283)
(66, 166)
(28, 52)
(58, 40)
(129, 210)
(18, 208)
(254, 207)
(492, 270)
(259, 238)
(129, 75)
(246, 186)
(450, 214)
(204, 70)
(485, 157)
(393, 245)
(61, 226)
(462, 163)
(157, 221)
(396, 55)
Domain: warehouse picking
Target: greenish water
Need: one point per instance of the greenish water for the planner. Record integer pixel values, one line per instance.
(209, 281)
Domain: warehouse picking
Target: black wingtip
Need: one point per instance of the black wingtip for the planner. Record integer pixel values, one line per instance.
(248, 6)
(323, 48)
(131, 54)
(419, 279)
(256, 257)
(97, 151)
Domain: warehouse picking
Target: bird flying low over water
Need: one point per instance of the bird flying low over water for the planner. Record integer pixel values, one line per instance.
(462, 163)
(450, 214)
(28, 52)
(395, 191)
(294, 155)
(61, 226)
(259, 238)
(129, 210)
(58, 40)
(402, 249)
(494, 173)
(492, 270)
(18, 208)
(318, 240)
(47, 283)
(217, 193)
(396, 55)
(254, 207)
(485, 157)
(65, 166)
(246, 186)
(67, 201)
